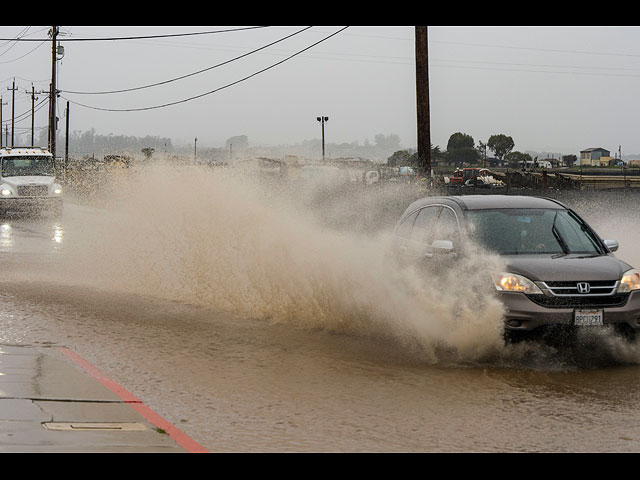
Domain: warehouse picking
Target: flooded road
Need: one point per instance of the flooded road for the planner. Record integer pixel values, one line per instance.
(257, 326)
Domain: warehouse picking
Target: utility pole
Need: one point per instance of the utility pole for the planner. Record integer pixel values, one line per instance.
(53, 93)
(322, 120)
(13, 108)
(422, 101)
(33, 99)
(1, 104)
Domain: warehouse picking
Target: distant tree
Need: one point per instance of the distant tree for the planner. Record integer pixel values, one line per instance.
(387, 142)
(460, 149)
(400, 158)
(459, 140)
(148, 152)
(436, 154)
(515, 159)
(500, 145)
(239, 141)
(569, 160)
(482, 150)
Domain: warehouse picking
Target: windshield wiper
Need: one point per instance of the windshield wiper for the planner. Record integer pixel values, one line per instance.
(556, 233)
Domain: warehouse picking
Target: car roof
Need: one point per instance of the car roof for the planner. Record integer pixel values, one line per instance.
(482, 202)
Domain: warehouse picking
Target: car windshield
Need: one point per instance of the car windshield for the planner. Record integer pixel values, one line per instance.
(532, 231)
(36, 165)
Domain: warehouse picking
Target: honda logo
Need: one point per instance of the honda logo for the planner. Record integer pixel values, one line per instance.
(584, 287)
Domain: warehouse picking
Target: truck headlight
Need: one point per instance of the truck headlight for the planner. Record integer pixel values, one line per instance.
(5, 192)
(511, 282)
(630, 281)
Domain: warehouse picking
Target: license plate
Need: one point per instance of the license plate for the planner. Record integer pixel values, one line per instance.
(588, 317)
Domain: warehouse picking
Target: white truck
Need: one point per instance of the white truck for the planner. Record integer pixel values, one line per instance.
(28, 181)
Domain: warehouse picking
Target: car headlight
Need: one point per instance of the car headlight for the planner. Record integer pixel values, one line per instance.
(630, 281)
(5, 192)
(511, 282)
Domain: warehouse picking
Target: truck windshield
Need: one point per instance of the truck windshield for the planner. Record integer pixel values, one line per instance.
(532, 231)
(27, 166)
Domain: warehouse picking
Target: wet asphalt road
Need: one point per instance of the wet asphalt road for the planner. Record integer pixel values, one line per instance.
(239, 381)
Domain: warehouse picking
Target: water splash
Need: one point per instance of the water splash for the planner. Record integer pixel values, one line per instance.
(231, 243)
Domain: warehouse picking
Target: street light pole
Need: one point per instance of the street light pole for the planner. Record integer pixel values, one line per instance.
(322, 120)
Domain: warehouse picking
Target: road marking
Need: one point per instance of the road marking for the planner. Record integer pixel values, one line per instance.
(180, 438)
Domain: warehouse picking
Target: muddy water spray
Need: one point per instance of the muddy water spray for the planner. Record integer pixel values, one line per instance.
(223, 241)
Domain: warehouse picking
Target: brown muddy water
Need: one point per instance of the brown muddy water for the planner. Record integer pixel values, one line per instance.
(261, 317)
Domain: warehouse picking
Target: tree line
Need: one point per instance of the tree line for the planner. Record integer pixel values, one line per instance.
(462, 150)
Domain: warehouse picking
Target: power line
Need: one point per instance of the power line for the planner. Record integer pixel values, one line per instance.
(27, 114)
(537, 49)
(22, 33)
(212, 91)
(28, 53)
(189, 74)
(140, 37)
(540, 71)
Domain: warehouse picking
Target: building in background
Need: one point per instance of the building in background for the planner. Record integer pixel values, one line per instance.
(595, 157)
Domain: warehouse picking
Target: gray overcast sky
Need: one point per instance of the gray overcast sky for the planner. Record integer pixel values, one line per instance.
(559, 89)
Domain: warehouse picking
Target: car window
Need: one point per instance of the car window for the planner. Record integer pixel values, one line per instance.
(447, 226)
(423, 228)
(404, 229)
(576, 236)
(531, 231)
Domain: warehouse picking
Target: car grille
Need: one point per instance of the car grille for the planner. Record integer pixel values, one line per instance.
(33, 190)
(569, 294)
(580, 301)
(573, 288)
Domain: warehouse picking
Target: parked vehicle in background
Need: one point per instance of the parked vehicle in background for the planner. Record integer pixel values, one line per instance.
(28, 181)
(371, 177)
(559, 275)
(478, 183)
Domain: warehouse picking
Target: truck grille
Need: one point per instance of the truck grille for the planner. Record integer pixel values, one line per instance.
(33, 190)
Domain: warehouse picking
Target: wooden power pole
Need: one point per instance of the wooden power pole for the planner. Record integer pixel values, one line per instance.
(53, 95)
(422, 101)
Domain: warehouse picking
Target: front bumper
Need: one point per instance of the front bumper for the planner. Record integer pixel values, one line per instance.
(522, 314)
(29, 203)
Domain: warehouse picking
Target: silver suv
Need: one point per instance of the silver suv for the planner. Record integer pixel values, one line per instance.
(559, 276)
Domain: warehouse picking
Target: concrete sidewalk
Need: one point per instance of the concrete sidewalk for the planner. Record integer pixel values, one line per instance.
(50, 401)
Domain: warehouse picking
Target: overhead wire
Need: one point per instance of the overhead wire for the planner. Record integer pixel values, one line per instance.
(22, 33)
(189, 74)
(137, 37)
(211, 91)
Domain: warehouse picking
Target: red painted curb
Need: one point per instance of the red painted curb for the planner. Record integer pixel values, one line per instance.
(181, 438)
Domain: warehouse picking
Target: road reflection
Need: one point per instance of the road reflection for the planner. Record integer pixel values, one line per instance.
(24, 235)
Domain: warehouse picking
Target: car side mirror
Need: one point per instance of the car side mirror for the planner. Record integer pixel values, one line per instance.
(439, 247)
(611, 244)
(442, 246)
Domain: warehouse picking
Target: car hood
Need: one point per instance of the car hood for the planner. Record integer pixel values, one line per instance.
(566, 268)
(28, 180)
